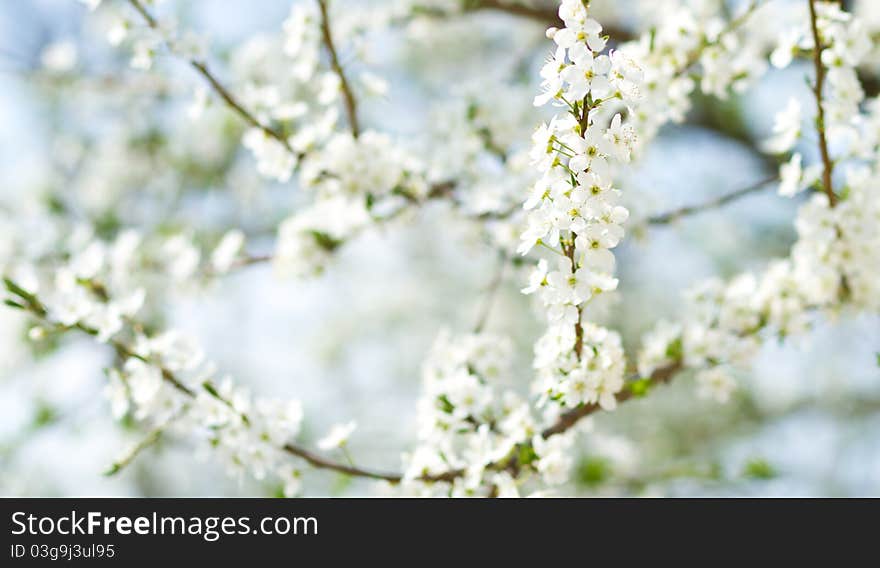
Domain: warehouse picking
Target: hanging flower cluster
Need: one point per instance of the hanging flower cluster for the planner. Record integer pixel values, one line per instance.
(574, 209)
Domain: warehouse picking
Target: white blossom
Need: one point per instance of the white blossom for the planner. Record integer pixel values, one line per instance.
(338, 436)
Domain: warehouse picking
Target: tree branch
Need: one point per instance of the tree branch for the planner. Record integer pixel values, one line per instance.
(323, 463)
(35, 307)
(492, 292)
(828, 164)
(662, 375)
(149, 440)
(676, 214)
(347, 93)
(218, 87)
(547, 14)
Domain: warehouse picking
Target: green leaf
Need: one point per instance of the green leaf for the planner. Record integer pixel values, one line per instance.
(472, 111)
(18, 290)
(526, 454)
(444, 404)
(640, 387)
(211, 390)
(112, 470)
(13, 304)
(593, 471)
(325, 241)
(44, 415)
(759, 468)
(675, 350)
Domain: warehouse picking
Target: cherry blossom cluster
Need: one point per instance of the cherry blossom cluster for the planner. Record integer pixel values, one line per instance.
(283, 81)
(356, 181)
(248, 433)
(693, 45)
(474, 437)
(463, 423)
(845, 43)
(85, 280)
(835, 263)
(574, 209)
(146, 42)
(726, 322)
(353, 179)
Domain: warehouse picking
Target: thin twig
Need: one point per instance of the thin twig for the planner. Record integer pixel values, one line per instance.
(491, 293)
(828, 164)
(676, 214)
(569, 252)
(732, 26)
(218, 87)
(324, 463)
(547, 14)
(251, 260)
(569, 249)
(439, 190)
(149, 440)
(347, 93)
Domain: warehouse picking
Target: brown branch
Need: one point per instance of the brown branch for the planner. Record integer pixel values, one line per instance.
(676, 214)
(221, 91)
(569, 250)
(566, 421)
(291, 448)
(547, 14)
(323, 463)
(347, 93)
(828, 164)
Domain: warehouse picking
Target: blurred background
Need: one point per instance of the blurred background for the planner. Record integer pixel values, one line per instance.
(84, 133)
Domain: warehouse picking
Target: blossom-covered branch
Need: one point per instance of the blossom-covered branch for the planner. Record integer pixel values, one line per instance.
(818, 88)
(835, 260)
(202, 68)
(249, 431)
